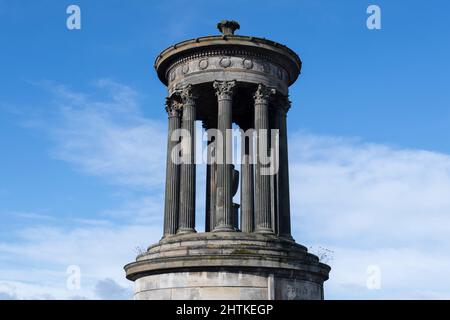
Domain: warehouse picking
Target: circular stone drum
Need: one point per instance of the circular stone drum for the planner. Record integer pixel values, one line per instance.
(229, 265)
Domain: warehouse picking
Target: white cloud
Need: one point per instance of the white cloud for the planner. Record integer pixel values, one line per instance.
(109, 137)
(371, 204)
(36, 264)
(405, 273)
(374, 205)
(104, 135)
(108, 289)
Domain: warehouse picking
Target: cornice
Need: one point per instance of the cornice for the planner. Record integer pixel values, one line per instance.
(228, 46)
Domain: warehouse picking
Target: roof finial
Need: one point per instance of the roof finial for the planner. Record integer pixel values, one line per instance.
(227, 27)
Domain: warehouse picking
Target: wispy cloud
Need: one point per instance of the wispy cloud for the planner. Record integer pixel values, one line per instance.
(31, 215)
(374, 205)
(371, 204)
(102, 133)
(107, 136)
(109, 289)
(37, 262)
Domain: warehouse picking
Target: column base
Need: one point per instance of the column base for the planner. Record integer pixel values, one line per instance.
(224, 229)
(186, 231)
(227, 266)
(286, 237)
(167, 236)
(264, 231)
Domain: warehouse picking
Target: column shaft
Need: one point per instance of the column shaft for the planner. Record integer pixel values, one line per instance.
(224, 197)
(284, 228)
(210, 204)
(208, 196)
(171, 204)
(247, 204)
(263, 218)
(187, 169)
(274, 179)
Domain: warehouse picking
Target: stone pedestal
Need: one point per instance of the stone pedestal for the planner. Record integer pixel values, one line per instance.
(227, 266)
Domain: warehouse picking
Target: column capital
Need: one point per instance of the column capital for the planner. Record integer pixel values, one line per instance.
(281, 103)
(187, 95)
(262, 94)
(224, 89)
(173, 107)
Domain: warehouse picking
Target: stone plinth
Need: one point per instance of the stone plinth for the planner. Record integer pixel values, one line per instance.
(247, 251)
(228, 266)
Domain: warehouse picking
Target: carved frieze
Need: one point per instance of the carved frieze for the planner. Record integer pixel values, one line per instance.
(203, 64)
(247, 64)
(225, 62)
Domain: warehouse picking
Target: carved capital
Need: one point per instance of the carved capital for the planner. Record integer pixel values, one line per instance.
(262, 94)
(224, 89)
(173, 107)
(187, 95)
(282, 103)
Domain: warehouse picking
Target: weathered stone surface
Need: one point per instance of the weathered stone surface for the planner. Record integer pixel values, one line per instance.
(263, 218)
(225, 286)
(252, 70)
(172, 192)
(227, 260)
(243, 81)
(186, 222)
(224, 195)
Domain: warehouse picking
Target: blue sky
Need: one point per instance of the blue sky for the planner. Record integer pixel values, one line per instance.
(83, 138)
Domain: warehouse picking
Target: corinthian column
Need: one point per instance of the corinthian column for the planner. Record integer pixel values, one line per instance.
(263, 218)
(247, 190)
(281, 107)
(224, 196)
(210, 205)
(171, 204)
(187, 183)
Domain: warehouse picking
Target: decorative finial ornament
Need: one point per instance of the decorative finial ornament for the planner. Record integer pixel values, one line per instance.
(228, 27)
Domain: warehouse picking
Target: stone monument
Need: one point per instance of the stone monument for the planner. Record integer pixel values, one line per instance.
(246, 250)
